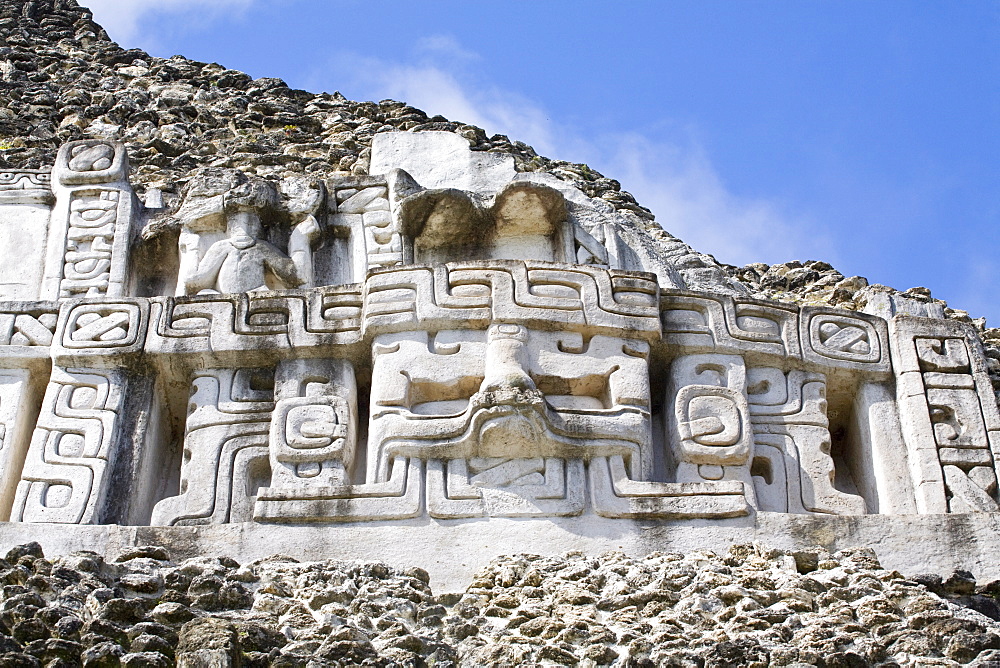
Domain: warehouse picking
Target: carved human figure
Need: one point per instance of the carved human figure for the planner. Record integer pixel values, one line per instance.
(239, 262)
(300, 248)
(304, 199)
(222, 246)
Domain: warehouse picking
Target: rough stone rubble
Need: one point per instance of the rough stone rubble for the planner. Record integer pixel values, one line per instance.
(752, 606)
(62, 78)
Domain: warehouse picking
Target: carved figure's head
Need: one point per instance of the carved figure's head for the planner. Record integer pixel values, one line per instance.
(214, 195)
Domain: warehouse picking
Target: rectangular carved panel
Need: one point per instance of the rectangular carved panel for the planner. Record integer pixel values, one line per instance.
(73, 447)
(91, 232)
(225, 448)
(547, 487)
(950, 418)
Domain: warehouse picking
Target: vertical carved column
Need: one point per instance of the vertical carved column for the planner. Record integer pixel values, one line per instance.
(950, 418)
(64, 478)
(313, 439)
(708, 420)
(85, 430)
(312, 450)
(957, 422)
(91, 229)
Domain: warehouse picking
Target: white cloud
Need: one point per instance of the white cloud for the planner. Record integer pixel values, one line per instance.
(447, 46)
(674, 179)
(445, 91)
(679, 184)
(124, 19)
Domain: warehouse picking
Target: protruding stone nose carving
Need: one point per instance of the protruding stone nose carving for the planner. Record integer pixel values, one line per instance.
(509, 391)
(506, 382)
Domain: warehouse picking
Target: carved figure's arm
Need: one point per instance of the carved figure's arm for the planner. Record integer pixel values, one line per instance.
(282, 266)
(300, 245)
(208, 268)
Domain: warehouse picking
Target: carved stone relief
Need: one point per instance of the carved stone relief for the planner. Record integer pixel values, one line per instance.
(512, 394)
(89, 244)
(226, 455)
(222, 245)
(312, 439)
(18, 396)
(950, 416)
(792, 441)
(708, 420)
(73, 446)
(957, 420)
(443, 347)
(28, 324)
(383, 238)
(505, 487)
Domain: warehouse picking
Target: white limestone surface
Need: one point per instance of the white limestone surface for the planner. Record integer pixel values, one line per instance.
(441, 160)
(453, 551)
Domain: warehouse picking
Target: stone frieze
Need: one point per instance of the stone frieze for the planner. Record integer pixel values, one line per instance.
(371, 350)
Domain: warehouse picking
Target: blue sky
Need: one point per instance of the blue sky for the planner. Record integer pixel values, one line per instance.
(863, 133)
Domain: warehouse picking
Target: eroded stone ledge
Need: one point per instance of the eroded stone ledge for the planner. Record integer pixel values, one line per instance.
(452, 551)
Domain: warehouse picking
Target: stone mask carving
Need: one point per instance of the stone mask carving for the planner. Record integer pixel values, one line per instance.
(510, 392)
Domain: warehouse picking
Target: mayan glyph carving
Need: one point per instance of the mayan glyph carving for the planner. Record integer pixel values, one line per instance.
(312, 439)
(792, 444)
(93, 218)
(95, 215)
(399, 497)
(850, 339)
(368, 209)
(699, 322)
(226, 455)
(957, 421)
(27, 183)
(65, 475)
(951, 418)
(615, 494)
(71, 228)
(709, 420)
(28, 324)
(431, 345)
(505, 487)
